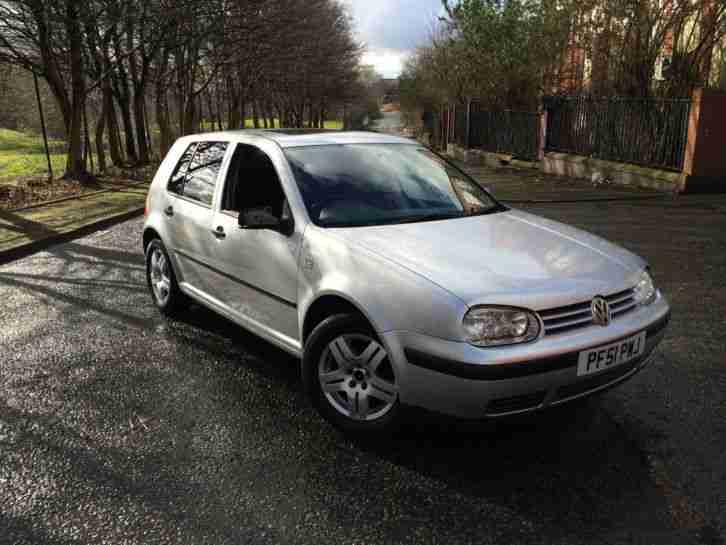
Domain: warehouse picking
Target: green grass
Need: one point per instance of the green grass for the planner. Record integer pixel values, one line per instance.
(22, 154)
(333, 124)
(249, 124)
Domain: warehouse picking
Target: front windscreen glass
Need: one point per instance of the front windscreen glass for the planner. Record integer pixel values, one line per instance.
(351, 185)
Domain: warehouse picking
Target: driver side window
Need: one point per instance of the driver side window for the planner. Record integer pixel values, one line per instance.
(252, 182)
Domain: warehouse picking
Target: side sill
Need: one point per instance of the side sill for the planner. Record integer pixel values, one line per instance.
(288, 344)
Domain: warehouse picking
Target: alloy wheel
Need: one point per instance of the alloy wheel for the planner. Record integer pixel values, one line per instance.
(357, 378)
(160, 276)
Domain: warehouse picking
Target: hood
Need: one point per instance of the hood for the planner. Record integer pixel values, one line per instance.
(507, 258)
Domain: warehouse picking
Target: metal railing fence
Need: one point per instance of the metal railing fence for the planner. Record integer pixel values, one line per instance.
(504, 131)
(649, 132)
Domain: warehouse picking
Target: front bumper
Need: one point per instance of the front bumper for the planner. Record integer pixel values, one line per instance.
(459, 379)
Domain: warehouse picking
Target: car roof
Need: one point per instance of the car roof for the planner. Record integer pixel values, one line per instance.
(290, 138)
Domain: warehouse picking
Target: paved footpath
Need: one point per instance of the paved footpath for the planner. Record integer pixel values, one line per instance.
(531, 185)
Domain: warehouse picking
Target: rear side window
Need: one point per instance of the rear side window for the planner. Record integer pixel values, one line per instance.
(196, 174)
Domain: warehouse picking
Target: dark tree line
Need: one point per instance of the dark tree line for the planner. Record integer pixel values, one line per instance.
(133, 72)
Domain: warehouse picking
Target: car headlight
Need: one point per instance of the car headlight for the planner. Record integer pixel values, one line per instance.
(492, 326)
(644, 291)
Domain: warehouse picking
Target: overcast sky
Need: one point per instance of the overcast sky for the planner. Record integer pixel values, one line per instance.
(391, 29)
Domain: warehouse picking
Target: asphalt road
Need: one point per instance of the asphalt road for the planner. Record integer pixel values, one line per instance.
(118, 426)
(389, 122)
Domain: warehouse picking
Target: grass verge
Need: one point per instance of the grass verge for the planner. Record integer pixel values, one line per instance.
(22, 155)
(47, 222)
(249, 124)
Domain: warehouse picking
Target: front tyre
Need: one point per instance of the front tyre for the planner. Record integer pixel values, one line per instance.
(350, 378)
(161, 280)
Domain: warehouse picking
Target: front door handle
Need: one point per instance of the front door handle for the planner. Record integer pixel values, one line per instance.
(219, 232)
(169, 211)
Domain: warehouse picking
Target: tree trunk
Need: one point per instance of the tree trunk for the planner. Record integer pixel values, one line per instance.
(210, 107)
(141, 125)
(161, 104)
(114, 138)
(162, 120)
(100, 130)
(124, 107)
(52, 72)
(123, 98)
(190, 115)
(181, 105)
(88, 152)
(235, 110)
(147, 132)
(311, 116)
(301, 116)
(255, 119)
(243, 113)
(219, 110)
(75, 166)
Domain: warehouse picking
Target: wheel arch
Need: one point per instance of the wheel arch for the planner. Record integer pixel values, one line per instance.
(326, 305)
(149, 234)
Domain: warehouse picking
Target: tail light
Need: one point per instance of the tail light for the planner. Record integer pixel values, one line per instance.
(146, 208)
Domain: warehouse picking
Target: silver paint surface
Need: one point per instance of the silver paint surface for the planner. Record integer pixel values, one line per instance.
(413, 282)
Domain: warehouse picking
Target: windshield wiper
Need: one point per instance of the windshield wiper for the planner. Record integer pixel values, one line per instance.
(421, 217)
(485, 211)
(414, 218)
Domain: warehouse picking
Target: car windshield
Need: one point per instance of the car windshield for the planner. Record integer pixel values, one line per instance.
(351, 185)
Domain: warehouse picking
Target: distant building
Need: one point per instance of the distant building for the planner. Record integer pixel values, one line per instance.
(587, 64)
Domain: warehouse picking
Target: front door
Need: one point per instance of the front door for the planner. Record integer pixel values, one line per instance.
(259, 267)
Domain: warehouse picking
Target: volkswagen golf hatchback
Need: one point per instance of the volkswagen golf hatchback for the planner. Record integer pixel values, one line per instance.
(394, 277)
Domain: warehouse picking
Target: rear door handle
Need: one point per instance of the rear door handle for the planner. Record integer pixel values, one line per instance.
(219, 232)
(169, 211)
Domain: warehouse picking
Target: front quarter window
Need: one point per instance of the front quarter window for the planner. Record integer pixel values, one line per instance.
(374, 184)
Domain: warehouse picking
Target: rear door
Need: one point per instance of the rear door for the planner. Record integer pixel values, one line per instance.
(190, 214)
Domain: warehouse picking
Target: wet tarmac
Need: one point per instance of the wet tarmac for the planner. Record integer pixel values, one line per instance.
(120, 426)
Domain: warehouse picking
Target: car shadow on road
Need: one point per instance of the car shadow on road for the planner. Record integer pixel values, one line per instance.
(569, 468)
(567, 471)
(256, 353)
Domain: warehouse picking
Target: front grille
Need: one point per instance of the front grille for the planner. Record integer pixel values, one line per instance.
(515, 403)
(562, 319)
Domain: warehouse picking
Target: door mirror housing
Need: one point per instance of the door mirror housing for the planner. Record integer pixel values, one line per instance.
(262, 218)
(258, 218)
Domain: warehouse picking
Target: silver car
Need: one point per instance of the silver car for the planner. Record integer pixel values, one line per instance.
(394, 277)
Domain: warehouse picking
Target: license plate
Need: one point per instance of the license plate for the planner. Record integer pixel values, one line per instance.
(610, 355)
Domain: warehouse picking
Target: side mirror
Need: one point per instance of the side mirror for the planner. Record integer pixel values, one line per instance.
(258, 218)
(261, 218)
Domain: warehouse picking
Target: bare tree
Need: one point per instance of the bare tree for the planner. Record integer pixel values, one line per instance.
(201, 64)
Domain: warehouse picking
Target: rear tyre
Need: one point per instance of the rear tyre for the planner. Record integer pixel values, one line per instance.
(349, 377)
(161, 280)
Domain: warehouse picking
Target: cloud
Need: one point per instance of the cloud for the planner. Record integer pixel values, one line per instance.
(391, 29)
(388, 62)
